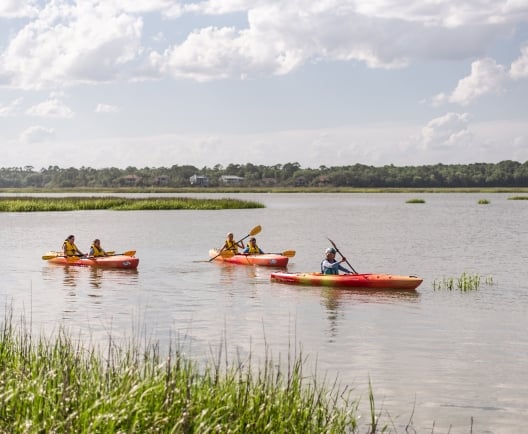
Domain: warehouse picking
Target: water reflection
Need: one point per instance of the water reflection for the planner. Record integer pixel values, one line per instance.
(334, 300)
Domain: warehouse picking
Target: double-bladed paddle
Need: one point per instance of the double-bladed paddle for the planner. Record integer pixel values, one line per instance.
(254, 231)
(76, 258)
(346, 260)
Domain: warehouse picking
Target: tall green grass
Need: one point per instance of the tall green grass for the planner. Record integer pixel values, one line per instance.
(56, 385)
(29, 204)
(465, 282)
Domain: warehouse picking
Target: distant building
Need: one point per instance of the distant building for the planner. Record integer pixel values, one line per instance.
(231, 179)
(130, 180)
(201, 180)
(161, 180)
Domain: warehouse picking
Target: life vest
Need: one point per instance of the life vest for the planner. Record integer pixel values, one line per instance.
(231, 245)
(97, 251)
(329, 270)
(69, 249)
(253, 249)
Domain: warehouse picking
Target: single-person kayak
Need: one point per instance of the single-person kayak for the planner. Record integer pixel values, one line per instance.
(113, 261)
(265, 259)
(367, 280)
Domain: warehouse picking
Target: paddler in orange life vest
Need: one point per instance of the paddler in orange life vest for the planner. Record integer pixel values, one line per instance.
(231, 244)
(69, 248)
(252, 248)
(96, 249)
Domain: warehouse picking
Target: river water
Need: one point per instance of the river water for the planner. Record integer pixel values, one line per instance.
(449, 360)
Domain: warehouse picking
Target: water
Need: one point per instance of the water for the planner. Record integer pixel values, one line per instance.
(440, 357)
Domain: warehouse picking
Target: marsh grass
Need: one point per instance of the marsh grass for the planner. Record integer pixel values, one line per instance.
(483, 202)
(55, 385)
(518, 198)
(415, 201)
(466, 282)
(30, 204)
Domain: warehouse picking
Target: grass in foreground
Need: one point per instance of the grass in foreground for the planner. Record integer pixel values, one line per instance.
(54, 385)
(29, 204)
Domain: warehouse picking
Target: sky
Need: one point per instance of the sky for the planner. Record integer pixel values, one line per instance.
(157, 83)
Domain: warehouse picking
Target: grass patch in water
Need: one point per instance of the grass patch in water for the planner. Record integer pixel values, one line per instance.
(31, 204)
(415, 201)
(518, 198)
(483, 201)
(466, 282)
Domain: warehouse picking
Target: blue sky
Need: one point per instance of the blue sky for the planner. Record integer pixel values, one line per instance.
(161, 82)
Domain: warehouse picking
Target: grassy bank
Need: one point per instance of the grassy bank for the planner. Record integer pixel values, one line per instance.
(28, 204)
(54, 385)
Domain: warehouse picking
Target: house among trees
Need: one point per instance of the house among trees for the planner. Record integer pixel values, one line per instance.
(130, 180)
(231, 179)
(200, 180)
(161, 180)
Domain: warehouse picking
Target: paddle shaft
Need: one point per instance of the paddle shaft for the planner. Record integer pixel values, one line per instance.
(342, 256)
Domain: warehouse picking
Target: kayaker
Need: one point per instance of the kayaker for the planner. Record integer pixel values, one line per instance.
(331, 265)
(69, 248)
(231, 244)
(252, 248)
(96, 249)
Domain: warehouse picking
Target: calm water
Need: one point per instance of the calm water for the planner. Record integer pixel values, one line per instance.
(449, 355)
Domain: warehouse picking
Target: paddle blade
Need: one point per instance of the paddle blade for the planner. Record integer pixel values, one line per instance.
(288, 253)
(255, 230)
(129, 253)
(227, 254)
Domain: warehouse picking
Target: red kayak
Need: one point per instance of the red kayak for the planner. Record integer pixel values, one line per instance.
(265, 259)
(113, 261)
(367, 280)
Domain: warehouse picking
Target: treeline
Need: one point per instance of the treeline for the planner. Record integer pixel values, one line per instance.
(504, 174)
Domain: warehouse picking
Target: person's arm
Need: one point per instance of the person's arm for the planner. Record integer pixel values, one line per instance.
(343, 269)
(246, 250)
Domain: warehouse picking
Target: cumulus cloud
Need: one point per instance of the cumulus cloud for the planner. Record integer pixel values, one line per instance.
(486, 77)
(52, 108)
(18, 8)
(36, 134)
(71, 43)
(447, 131)
(519, 68)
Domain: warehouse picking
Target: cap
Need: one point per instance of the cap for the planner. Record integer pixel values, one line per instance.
(330, 250)
(252, 239)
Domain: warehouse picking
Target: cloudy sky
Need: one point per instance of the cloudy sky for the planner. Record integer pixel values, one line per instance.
(101, 83)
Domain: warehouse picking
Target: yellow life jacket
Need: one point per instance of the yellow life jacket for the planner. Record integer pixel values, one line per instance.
(69, 249)
(97, 251)
(231, 245)
(253, 249)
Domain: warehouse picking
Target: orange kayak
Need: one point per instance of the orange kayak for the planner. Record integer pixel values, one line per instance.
(368, 280)
(265, 259)
(114, 261)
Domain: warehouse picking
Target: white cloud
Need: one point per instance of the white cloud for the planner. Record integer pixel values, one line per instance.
(447, 131)
(52, 108)
(66, 44)
(36, 134)
(106, 108)
(18, 8)
(11, 109)
(486, 77)
(519, 68)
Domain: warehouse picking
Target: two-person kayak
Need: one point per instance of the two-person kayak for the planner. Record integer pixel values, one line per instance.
(264, 259)
(127, 260)
(364, 280)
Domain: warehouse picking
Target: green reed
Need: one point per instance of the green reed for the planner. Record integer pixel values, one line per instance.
(466, 282)
(56, 385)
(483, 202)
(31, 204)
(415, 201)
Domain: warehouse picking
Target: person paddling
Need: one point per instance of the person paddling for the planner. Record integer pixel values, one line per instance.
(332, 266)
(96, 249)
(232, 245)
(69, 248)
(252, 248)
